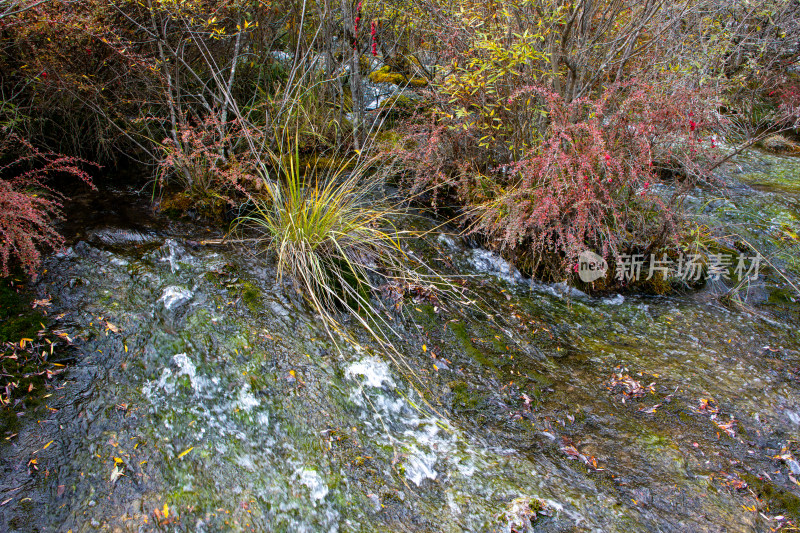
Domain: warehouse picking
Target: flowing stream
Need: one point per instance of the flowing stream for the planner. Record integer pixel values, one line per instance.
(202, 395)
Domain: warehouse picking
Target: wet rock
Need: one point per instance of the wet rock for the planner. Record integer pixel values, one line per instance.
(174, 297)
(376, 501)
(778, 144)
(278, 309)
(643, 495)
(82, 248)
(491, 263)
(121, 237)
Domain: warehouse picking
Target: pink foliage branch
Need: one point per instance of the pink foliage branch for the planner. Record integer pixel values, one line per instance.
(28, 206)
(589, 179)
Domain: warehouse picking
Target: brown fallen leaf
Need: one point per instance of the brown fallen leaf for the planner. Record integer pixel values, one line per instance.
(727, 427)
(44, 302)
(629, 387)
(733, 481)
(707, 406)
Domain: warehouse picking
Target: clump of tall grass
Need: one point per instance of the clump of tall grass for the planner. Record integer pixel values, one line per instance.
(335, 234)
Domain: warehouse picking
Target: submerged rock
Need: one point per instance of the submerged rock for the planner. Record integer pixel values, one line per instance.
(778, 144)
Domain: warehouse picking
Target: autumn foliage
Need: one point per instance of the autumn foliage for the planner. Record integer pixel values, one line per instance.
(28, 207)
(590, 180)
(549, 126)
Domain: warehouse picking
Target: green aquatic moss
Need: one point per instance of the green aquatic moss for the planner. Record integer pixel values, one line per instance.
(251, 296)
(22, 371)
(460, 332)
(777, 498)
(463, 397)
(17, 319)
(386, 75)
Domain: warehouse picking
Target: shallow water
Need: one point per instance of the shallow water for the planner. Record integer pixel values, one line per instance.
(203, 396)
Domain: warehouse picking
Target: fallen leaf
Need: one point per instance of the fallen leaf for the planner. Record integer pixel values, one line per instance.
(185, 452)
(116, 474)
(44, 302)
(728, 427)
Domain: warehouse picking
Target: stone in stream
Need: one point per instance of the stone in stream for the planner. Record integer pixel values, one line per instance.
(174, 297)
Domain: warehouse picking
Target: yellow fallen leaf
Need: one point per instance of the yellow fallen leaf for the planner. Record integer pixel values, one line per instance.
(424, 348)
(48, 444)
(185, 452)
(166, 510)
(117, 460)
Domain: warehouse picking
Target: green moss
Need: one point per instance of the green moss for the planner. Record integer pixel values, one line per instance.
(314, 163)
(398, 106)
(208, 204)
(389, 138)
(425, 316)
(777, 498)
(17, 320)
(780, 175)
(499, 344)
(463, 397)
(542, 380)
(520, 513)
(460, 333)
(386, 75)
(251, 296)
(23, 378)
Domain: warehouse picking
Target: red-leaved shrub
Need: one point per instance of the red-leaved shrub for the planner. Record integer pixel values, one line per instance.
(211, 158)
(28, 207)
(588, 179)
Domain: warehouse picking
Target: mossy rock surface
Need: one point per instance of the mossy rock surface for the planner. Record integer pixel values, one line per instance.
(398, 106)
(780, 145)
(386, 75)
(779, 500)
(23, 378)
(17, 320)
